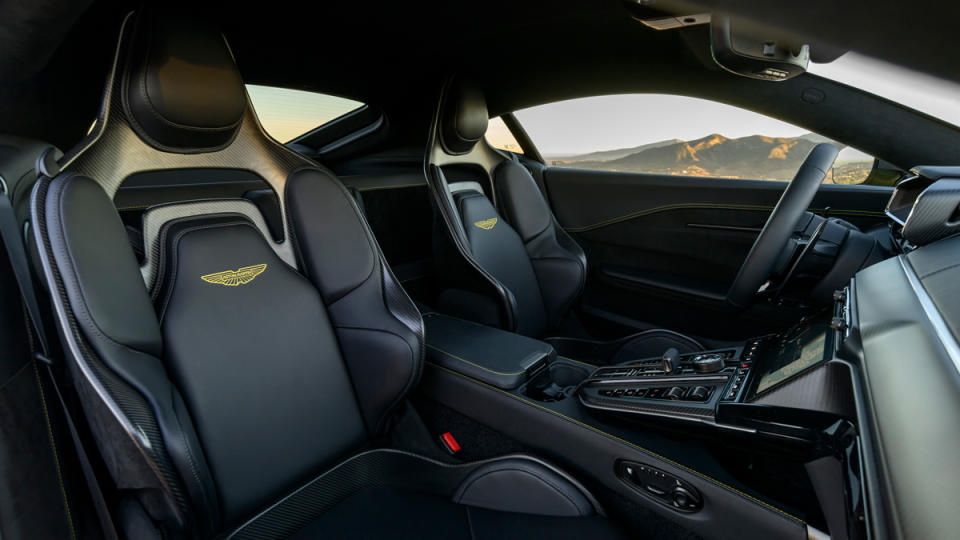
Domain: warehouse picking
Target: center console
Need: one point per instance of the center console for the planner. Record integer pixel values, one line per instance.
(681, 431)
(686, 386)
(753, 386)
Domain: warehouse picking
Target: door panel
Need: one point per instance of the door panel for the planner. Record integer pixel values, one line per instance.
(664, 250)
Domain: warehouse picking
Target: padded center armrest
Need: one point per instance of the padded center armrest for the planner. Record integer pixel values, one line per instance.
(496, 357)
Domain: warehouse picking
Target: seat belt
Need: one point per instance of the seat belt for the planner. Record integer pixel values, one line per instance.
(16, 251)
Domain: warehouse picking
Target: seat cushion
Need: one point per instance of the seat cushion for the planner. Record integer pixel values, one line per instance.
(394, 513)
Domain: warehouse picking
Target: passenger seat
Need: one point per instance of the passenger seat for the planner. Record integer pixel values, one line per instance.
(536, 270)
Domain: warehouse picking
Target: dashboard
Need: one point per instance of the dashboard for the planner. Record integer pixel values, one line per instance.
(874, 381)
(903, 341)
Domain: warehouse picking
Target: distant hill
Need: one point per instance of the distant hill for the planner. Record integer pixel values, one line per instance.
(607, 155)
(754, 157)
(817, 139)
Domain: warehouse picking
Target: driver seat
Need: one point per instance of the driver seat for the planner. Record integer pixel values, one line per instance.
(537, 270)
(236, 385)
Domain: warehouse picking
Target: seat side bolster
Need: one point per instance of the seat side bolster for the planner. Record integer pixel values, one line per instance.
(559, 262)
(378, 326)
(108, 313)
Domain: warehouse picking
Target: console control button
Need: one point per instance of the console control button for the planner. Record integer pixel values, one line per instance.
(661, 486)
(707, 363)
(670, 360)
(656, 490)
(698, 393)
(684, 499)
(840, 295)
(838, 323)
(675, 392)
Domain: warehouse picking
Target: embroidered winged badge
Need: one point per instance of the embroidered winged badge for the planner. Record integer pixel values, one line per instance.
(486, 224)
(232, 278)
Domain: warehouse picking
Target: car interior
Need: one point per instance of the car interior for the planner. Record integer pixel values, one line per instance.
(383, 271)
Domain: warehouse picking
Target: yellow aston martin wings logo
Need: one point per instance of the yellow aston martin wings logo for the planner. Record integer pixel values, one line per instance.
(232, 278)
(486, 224)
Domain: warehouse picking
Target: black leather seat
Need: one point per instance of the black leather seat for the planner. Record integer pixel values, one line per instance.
(532, 265)
(235, 385)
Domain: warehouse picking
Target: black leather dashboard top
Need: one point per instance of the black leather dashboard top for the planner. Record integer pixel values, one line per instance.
(907, 318)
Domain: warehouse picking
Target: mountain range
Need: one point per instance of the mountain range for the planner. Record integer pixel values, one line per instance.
(755, 157)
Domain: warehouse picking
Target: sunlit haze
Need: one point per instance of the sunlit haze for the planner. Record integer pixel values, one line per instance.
(608, 122)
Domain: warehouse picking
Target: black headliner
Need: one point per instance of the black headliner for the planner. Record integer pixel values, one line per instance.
(395, 56)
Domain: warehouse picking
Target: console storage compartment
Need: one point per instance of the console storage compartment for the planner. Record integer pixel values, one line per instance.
(559, 381)
(490, 355)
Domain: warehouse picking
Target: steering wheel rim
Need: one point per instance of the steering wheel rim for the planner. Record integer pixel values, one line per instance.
(760, 261)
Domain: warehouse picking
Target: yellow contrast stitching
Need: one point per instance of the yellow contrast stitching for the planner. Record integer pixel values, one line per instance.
(664, 208)
(53, 447)
(471, 363)
(628, 443)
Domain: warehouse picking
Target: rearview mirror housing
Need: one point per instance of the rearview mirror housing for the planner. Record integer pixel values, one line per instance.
(745, 50)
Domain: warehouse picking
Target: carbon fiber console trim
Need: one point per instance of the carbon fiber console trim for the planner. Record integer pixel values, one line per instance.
(825, 388)
(933, 213)
(112, 151)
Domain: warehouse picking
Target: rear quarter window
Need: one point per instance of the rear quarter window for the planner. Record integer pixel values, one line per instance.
(287, 114)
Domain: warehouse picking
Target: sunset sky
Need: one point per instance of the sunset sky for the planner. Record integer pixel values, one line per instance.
(621, 121)
(286, 114)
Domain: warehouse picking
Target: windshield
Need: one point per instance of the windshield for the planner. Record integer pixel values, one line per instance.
(927, 94)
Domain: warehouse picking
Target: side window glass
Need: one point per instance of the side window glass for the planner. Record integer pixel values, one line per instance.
(287, 114)
(499, 136)
(677, 135)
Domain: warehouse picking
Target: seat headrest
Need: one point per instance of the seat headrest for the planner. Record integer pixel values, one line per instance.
(463, 118)
(181, 89)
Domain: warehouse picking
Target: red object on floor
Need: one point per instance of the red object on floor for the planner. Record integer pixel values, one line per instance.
(452, 445)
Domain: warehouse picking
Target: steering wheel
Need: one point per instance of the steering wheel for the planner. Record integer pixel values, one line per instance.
(759, 264)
